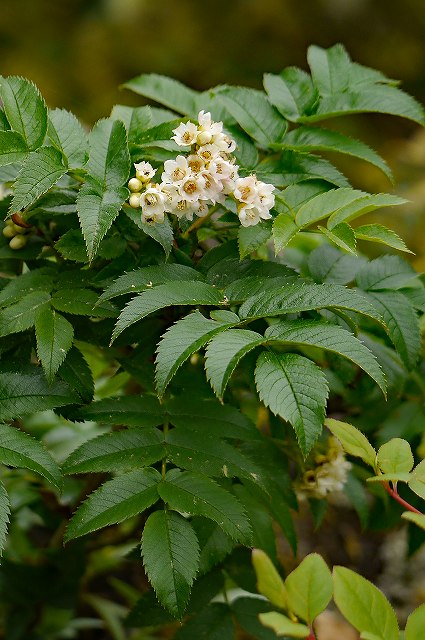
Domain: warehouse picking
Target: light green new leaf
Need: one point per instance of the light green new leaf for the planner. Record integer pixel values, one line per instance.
(170, 553)
(28, 391)
(18, 449)
(269, 582)
(386, 272)
(224, 353)
(352, 440)
(416, 518)
(251, 238)
(342, 236)
(329, 337)
(360, 206)
(402, 324)
(294, 388)
(415, 623)
(54, 339)
(383, 235)
(166, 91)
(25, 109)
(83, 302)
(97, 209)
(41, 170)
(417, 480)
(364, 605)
(4, 516)
(179, 342)
(306, 297)
(68, 136)
(309, 588)
(193, 493)
(325, 204)
(395, 456)
(284, 229)
(317, 139)
(131, 411)
(117, 451)
(147, 277)
(22, 315)
(164, 295)
(291, 92)
(116, 500)
(254, 113)
(13, 148)
(283, 626)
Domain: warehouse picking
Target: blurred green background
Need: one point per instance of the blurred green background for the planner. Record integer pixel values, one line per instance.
(79, 51)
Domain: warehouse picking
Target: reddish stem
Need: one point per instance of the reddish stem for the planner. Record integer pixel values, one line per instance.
(312, 635)
(394, 494)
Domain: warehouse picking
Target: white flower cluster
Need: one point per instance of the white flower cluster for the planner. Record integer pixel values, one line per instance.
(205, 176)
(329, 476)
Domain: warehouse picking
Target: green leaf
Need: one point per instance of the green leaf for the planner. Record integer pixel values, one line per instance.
(305, 297)
(342, 236)
(171, 557)
(402, 323)
(283, 626)
(54, 339)
(284, 229)
(77, 374)
(18, 449)
(395, 456)
(28, 391)
(328, 264)
(25, 109)
(71, 246)
(166, 91)
(224, 353)
(385, 272)
(4, 516)
(352, 440)
(82, 302)
(214, 622)
(13, 148)
(136, 119)
(291, 92)
(196, 451)
(393, 476)
(118, 451)
(326, 204)
(329, 337)
(417, 480)
(97, 209)
(214, 543)
(161, 232)
(193, 493)
(41, 170)
(179, 342)
(131, 411)
(115, 501)
(415, 623)
(15, 289)
(68, 136)
(296, 166)
(22, 315)
(295, 389)
(269, 582)
(109, 159)
(147, 277)
(364, 606)
(254, 113)
(309, 588)
(365, 203)
(416, 518)
(383, 235)
(251, 238)
(317, 139)
(165, 295)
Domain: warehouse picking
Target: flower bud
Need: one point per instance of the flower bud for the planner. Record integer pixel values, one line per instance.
(18, 242)
(134, 200)
(8, 232)
(204, 137)
(18, 229)
(134, 184)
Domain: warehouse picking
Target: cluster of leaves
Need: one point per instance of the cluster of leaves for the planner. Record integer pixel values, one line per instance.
(179, 447)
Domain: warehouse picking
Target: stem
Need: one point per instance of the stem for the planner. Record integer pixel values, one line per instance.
(198, 223)
(394, 494)
(312, 635)
(164, 460)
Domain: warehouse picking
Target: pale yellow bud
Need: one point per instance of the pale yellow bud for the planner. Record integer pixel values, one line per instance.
(18, 242)
(8, 231)
(134, 200)
(134, 184)
(204, 137)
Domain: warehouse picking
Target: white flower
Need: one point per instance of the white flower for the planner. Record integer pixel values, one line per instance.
(246, 190)
(224, 142)
(207, 129)
(185, 134)
(221, 168)
(208, 152)
(202, 208)
(196, 163)
(144, 171)
(249, 215)
(184, 209)
(175, 171)
(172, 196)
(192, 189)
(265, 195)
(212, 187)
(153, 202)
